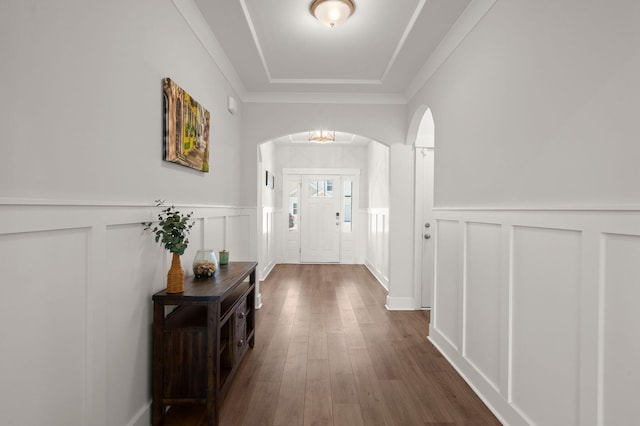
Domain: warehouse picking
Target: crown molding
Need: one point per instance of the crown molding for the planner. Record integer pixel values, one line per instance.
(324, 81)
(464, 25)
(403, 39)
(325, 98)
(194, 19)
(254, 35)
(392, 60)
(471, 16)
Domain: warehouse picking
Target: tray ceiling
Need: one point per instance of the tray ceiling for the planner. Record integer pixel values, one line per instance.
(277, 47)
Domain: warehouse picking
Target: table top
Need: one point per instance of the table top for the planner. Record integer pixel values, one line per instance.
(209, 289)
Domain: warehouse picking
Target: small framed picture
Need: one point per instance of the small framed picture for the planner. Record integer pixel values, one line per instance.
(270, 180)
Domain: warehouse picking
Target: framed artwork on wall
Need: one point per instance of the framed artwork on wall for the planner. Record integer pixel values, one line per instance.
(270, 180)
(186, 128)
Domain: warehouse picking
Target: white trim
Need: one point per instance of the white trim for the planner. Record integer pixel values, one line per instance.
(142, 417)
(589, 335)
(403, 39)
(200, 28)
(505, 414)
(325, 81)
(562, 208)
(97, 221)
(98, 203)
(384, 282)
(254, 36)
(463, 26)
(325, 98)
(400, 304)
(320, 171)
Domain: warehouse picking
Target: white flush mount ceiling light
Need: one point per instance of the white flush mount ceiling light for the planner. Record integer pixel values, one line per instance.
(332, 12)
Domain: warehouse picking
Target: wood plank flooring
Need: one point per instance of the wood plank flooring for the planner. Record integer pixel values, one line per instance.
(327, 352)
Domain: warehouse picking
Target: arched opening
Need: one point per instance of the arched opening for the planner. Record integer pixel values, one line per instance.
(355, 171)
(424, 263)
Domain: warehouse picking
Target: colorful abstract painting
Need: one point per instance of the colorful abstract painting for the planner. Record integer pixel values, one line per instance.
(186, 128)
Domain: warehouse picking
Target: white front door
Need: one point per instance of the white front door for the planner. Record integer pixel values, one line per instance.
(320, 221)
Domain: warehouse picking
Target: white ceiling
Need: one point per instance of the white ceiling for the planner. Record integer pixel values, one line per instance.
(277, 48)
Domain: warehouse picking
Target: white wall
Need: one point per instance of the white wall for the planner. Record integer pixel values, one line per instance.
(270, 223)
(537, 211)
(401, 229)
(82, 129)
(77, 325)
(305, 156)
(384, 123)
(558, 95)
(377, 255)
(85, 117)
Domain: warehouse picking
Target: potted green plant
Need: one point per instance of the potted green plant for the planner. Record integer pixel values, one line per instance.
(172, 232)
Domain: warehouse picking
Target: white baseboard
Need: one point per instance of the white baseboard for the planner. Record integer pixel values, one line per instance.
(381, 279)
(498, 405)
(400, 304)
(264, 272)
(142, 417)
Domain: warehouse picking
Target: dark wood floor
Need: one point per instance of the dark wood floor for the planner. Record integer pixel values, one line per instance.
(327, 352)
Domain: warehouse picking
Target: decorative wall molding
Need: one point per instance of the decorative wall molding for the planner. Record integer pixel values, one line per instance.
(377, 254)
(271, 223)
(539, 318)
(96, 268)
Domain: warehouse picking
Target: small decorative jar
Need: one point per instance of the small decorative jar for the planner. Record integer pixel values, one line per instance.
(205, 263)
(224, 257)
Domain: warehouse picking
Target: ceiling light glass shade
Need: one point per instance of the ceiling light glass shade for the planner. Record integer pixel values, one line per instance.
(332, 12)
(321, 136)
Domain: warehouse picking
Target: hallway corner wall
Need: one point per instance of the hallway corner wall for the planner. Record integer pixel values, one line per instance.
(401, 228)
(537, 213)
(377, 211)
(82, 143)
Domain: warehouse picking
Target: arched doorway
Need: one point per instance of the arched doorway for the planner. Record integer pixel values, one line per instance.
(306, 172)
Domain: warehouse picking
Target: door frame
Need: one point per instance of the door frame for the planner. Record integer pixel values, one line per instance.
(352, 174)
(420, 230)
(309, 230)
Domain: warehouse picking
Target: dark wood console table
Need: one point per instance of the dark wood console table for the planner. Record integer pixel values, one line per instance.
(198, 346)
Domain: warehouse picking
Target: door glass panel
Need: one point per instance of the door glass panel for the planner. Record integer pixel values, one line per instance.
(328, 188)
(321, 188)
(347, 207)
(293, 206)
(313, 188)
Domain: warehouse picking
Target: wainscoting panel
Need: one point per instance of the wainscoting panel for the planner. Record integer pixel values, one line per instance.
(214, 233)
(269, 247)
(242, 230)
(75, 318)
(483, 299)
(133, 276)
(448, 280)
(377, 259)
(545, 329)
(549, 320)
(621, 324)
(43, 324)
